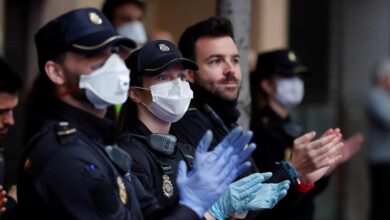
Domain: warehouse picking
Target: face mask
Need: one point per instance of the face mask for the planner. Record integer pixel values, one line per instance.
(170, 100)
(134, 30)
(289, 92)
(107, 85)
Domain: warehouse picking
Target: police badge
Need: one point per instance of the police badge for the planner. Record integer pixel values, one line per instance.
(164, 47)
(94, 18)
(167, 186)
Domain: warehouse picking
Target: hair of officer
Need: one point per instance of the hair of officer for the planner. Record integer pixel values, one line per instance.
(212, 27)
(10, 82)
(259, 97)
(109, 6)
(129, 111)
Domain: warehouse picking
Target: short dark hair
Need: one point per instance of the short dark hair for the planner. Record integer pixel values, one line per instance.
(109, 6)
(212, 27)
(10, 82)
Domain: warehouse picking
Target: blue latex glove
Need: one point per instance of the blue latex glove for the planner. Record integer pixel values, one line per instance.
(236, 139)
(238, 195)
(268, 195)
(200, 188)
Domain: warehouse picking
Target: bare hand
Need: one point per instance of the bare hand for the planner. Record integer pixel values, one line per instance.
(311, 160)
(351, 146)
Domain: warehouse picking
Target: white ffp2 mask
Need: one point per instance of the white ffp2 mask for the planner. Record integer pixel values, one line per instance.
(289, 91)
(107, 85)
(170, 100)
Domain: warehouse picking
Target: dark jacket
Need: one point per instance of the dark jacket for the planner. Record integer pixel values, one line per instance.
(156, 171)
(274, 137)
(208, 112)
(67, 173)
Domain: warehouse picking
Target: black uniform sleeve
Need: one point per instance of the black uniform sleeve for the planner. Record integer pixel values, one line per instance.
(77, 188)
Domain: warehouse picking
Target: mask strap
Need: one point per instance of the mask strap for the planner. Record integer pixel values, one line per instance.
(70, 90)
(143, 103)
(138, 87)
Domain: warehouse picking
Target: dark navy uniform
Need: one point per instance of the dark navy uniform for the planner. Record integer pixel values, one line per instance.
(155, 168)
(67, 172)
(275, 136)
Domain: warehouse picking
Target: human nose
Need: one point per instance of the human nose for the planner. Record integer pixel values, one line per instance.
(9, 118)
(230, 68)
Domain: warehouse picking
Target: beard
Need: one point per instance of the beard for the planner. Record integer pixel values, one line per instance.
(72, 80)
(220, 91)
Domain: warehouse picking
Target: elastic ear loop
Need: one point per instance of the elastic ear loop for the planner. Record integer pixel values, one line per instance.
(138, 87)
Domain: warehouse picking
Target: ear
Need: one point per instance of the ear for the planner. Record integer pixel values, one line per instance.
(54, 72)
(190, 76)
(135, 95)
(268, 86)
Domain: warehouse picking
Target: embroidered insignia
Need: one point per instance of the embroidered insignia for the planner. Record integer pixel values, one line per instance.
(122, 190)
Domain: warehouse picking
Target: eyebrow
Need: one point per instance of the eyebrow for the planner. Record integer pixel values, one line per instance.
(3, 110)
(221, 55)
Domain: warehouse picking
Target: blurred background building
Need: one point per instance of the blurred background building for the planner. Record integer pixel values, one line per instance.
(338, 40)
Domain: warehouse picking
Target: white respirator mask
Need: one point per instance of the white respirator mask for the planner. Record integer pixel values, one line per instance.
(107, 85)
(289, 91)
(134, 30)
(170, 100)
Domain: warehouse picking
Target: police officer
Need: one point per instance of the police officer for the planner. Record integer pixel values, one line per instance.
(160, 95)
(126, 16)
(72, 169)
(277, 87)
(145, 123)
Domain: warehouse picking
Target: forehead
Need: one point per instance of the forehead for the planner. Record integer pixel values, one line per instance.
(129, 10)
(207, 46)
(8, 100)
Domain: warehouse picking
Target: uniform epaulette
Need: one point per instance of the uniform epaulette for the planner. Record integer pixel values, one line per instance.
(65, 132)
(64, 129)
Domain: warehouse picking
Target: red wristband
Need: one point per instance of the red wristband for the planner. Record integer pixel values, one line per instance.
(303, 187)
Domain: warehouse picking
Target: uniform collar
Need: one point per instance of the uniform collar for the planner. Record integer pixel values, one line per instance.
(137, 127)
(89, 124)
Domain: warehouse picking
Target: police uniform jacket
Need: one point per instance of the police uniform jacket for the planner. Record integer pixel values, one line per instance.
(67, 172)
(274, 137)
(156, 169)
